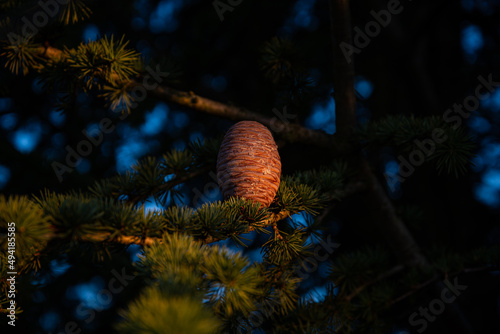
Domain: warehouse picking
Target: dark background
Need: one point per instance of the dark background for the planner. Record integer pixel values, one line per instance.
(426, 59)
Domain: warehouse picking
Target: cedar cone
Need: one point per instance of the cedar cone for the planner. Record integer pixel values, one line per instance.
(248, 164)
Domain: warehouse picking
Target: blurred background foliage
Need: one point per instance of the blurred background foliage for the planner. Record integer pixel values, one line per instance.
(426, 59)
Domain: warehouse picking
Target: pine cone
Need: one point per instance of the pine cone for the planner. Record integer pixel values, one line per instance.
(248, 164)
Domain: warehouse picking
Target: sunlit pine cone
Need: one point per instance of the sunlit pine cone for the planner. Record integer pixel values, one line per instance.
(248, 164)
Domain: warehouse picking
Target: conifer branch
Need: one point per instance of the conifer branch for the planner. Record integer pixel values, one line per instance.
(277, 233)
(350, 189)
(389, 273)
(392, 227)
(204, 288)
(275, 217)
(395, 231)
(290, 132)
(167, 185)
(413, 290)
(50, 52)
(422, 285)
(122, 239)
(148, 241)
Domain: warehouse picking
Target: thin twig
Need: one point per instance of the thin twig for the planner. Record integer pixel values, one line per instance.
(277, 233)
(448, 276)
(290, 132)
(380, 277)
(343, 67)
(169, 184)
(396, 233)
(148, 241)
(392, 227)
(413, 290)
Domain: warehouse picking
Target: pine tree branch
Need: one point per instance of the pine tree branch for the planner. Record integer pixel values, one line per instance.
(350, 189)
(169, 184)
(413, 290)
(275, 217)
(397, 235)
(123, 239)
(422, 285)
(380, 277)
(292, 133)
(50, 52)
(148, 241)
(393, 229)
(343, 68)
(395, 232)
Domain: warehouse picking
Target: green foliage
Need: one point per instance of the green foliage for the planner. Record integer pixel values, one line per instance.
(9, 4)
(105, 65)
(308, 317)
(74, 11)
(180, 269)
(447, 261)
(206, 152)
(325, 179)
(178, 219)
(352, 269)
(108, 65)
(284, 249)
(71, 11)
(488, 256)
(279, 58)
(21, 56)
(157, 177)
(153, 312)
(176, 255)
(176, 161)
(103, 59)
(183, 268)
(295, 197)
(455, 154)
(32, 230)
(193, 285)
(19, 50)
(73, 216)
(452, 156)
(282, 63)
(233, 284)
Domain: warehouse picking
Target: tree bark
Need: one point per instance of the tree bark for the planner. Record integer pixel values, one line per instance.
(392, 227)
(290, 132)
(343, 69)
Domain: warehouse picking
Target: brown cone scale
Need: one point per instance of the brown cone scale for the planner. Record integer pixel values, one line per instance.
(248, 164)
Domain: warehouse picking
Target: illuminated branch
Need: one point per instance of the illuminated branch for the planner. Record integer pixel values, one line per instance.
(290, 132)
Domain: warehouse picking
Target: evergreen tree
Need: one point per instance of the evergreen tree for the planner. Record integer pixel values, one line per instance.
(189, 278)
